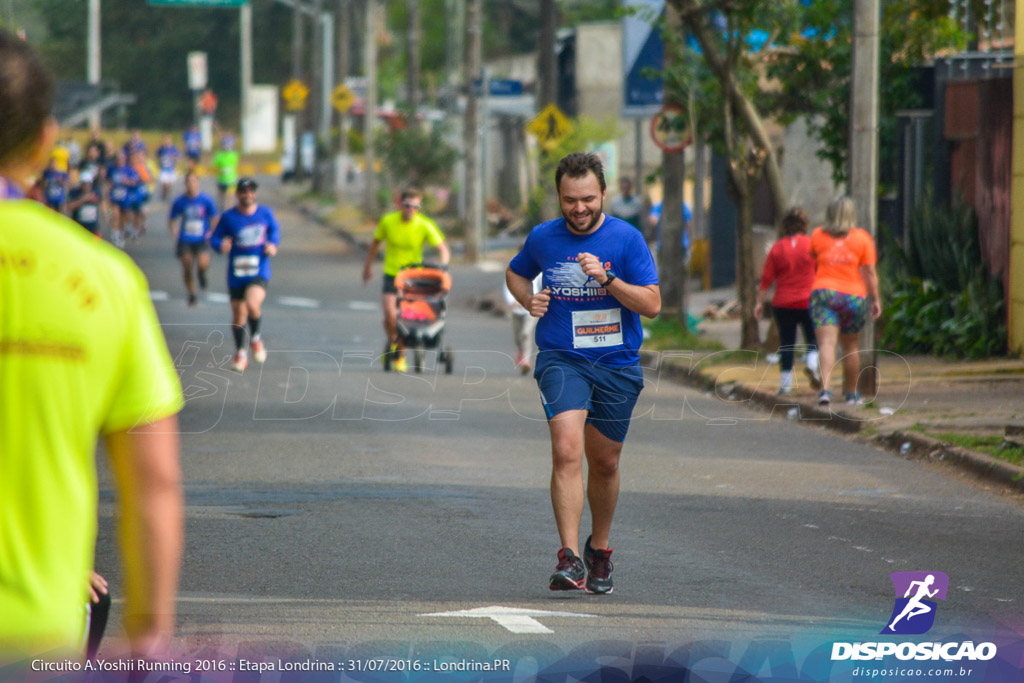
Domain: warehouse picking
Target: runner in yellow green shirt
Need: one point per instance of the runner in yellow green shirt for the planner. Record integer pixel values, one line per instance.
(81, 354)
(403, 234)
(225, 163)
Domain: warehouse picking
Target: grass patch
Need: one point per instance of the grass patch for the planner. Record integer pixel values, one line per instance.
(668, 334)
(994, 445)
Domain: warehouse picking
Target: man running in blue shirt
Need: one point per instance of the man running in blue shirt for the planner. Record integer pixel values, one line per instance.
(167, 160)
(598, 279)
(193, 146)
(249, 235)
(190, 220)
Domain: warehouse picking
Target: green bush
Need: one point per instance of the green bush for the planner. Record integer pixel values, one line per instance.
(418, 155)
(940, 297)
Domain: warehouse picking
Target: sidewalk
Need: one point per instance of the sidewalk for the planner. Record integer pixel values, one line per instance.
(918, 396)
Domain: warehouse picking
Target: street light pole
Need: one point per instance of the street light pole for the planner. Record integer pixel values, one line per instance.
(93, 60)
(245, 31)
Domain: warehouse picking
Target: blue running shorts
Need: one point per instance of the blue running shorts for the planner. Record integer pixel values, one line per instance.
(608, 393)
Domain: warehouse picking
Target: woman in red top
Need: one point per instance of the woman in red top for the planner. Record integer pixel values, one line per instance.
(791, 268)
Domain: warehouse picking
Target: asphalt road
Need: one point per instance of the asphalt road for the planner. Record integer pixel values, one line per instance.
(337, 510)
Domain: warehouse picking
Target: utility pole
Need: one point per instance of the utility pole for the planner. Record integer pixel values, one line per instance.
(245, 54)
(412, 73)
(342, 27)
(298, 74)
(94, 50)
(474, 62)
(547, 90)
(864, 154)
(316, 72)
(370, 113)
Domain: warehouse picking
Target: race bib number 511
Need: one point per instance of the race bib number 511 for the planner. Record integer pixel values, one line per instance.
(594, 329)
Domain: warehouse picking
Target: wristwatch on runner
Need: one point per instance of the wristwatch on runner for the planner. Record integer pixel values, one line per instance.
(611, 277)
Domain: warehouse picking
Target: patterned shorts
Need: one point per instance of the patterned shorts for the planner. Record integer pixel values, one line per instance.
(845, 311)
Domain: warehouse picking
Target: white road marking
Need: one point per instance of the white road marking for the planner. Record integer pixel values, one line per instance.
(491, 266)
(159, 295)
(513, 619)
(217, 297)
(298, 302)
(363, 306)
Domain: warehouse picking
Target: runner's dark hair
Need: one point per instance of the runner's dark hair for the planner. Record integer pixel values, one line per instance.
(794, 222)
(26, 96)
(577, 165)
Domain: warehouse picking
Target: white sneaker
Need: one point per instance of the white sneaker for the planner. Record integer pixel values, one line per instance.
(259, 351)
(241, 361)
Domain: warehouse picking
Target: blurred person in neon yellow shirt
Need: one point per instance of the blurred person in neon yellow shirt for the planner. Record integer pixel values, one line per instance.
(81, 355)
(225, 163)
(403, 234)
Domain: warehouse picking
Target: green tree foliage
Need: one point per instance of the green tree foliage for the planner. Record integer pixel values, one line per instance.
(585, 134)
(418, 155)
(812, 68)
(145, 48)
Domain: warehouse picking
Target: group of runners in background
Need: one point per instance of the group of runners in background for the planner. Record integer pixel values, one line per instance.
(106, 184)
(105, 181)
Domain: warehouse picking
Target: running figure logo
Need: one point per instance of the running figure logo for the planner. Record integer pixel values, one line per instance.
(914, 612)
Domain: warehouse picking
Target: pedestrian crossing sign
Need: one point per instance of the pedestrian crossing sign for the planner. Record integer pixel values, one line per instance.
(549, 127)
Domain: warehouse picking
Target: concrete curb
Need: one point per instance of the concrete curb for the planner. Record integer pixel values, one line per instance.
(912, 445)
(921, 446)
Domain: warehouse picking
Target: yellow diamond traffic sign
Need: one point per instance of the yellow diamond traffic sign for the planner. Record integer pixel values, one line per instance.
(295, 94)
(342, 98)
(550, 126)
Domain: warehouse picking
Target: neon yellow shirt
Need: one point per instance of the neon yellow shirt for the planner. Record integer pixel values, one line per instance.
(403, 242)
(81, 353)
(226, 163)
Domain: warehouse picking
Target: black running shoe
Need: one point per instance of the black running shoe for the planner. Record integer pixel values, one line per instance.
(570, 574)
(599, 569)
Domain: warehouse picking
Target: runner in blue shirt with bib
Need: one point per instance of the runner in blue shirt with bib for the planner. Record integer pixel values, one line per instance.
(190, 223)
(598, 279)
(249, 235)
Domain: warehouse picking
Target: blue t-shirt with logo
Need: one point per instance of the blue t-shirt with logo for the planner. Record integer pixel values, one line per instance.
(582, 317)
(167, 157)
(249, 235)
(123, 181)
(196, 214)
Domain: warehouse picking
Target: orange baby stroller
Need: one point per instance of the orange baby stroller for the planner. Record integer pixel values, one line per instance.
(422, 308)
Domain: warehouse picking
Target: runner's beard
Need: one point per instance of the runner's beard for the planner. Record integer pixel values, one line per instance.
(590, 226)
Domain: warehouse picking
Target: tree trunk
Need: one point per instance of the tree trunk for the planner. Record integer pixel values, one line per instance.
(671, 261)
(474, 52)
(746, 280)
(670, 249)
(693, 17)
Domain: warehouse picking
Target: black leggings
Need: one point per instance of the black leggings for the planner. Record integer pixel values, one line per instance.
(787, 320)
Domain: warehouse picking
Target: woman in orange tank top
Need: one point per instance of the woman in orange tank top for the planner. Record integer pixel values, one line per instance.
(844, 285)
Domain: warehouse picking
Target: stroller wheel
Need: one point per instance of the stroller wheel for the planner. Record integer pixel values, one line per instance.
(448, 360)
